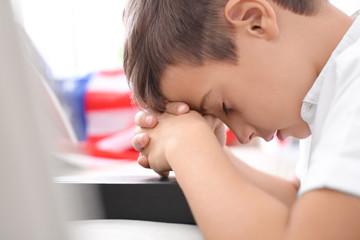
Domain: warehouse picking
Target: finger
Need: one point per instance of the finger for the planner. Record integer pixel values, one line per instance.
(145, 120)
(143, 161)
(154, 165)
(177, 108)
(163, 174)
(138, 130)
(140, 141)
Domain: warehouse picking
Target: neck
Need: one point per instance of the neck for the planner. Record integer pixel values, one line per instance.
(331, 25)
(327, 27)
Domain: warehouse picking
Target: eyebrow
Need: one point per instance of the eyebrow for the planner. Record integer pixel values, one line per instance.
(203, 100)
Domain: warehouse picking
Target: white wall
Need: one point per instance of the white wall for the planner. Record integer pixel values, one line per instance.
(348, 6)
(80, 36)
(76, 36)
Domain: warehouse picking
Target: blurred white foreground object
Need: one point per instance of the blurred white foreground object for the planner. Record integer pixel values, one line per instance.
(28, 204)
(133, 230)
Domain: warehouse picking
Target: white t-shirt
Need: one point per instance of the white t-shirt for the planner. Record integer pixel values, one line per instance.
(332, 110)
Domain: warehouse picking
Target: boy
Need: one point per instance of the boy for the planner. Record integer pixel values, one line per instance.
(262, 67)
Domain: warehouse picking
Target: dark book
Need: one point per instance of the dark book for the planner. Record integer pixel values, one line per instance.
(137, 198)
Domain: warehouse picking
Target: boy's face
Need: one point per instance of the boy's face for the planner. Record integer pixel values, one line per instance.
(262, 94)
(255, 98)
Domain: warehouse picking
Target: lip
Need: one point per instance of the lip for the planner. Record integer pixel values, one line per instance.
(270, 138)
(280, 136)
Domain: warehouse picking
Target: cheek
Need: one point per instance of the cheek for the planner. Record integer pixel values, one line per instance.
(260, 108)
(275, 107)
(261, 116)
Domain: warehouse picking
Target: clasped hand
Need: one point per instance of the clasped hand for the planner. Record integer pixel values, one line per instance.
(158, 135)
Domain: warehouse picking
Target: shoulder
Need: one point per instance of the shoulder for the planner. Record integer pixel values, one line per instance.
(349, 60)
(334, 158)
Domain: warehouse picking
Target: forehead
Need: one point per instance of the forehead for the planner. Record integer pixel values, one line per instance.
(186, 83)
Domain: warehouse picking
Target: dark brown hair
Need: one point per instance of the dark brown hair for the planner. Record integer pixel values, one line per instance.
(167, 32)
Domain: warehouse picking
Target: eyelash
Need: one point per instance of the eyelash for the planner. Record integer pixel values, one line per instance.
(225, 109)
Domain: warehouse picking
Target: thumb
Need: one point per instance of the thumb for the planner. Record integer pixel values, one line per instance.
(177, 108)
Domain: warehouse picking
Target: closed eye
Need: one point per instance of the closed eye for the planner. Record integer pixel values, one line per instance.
(225, 109)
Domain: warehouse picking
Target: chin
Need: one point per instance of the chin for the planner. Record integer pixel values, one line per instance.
(302, 135)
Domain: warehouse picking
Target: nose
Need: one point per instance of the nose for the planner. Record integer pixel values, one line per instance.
(244, 133)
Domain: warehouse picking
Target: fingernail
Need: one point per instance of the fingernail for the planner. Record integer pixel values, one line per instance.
(182, 109)
(149, 120)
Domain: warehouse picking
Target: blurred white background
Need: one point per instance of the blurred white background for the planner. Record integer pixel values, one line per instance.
(81, 36)
(76, 36)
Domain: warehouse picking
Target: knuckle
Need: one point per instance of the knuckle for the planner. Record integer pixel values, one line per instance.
(138, 130)
(136, 145)
(138, 117)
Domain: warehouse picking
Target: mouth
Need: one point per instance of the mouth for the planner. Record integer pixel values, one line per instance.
(270, 138)
(280, 136)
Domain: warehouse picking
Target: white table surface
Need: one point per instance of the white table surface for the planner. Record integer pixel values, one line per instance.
(130, 229)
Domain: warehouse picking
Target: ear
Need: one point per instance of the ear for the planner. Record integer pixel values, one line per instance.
(256, 17)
